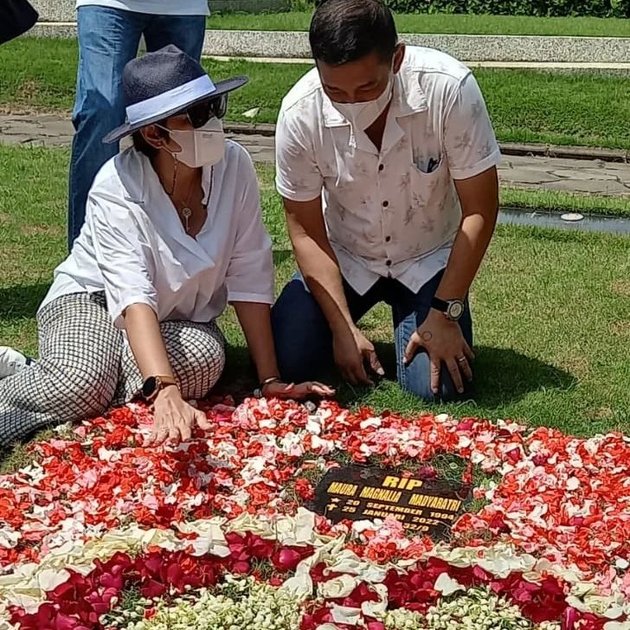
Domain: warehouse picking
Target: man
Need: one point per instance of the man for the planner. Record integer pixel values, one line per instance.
(109, 35)
(386, 162)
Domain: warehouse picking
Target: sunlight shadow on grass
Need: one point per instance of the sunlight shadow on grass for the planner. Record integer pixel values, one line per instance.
(17, 302)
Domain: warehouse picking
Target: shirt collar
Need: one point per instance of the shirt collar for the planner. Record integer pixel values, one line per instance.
(332, 116)
(146, 180)
(142, 186)
(409, 97)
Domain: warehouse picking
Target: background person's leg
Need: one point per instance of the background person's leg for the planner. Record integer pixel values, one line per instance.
(301, 332)
(409, 311)
(108, 39)
(196, 353)
(76, 375)
(185, 31)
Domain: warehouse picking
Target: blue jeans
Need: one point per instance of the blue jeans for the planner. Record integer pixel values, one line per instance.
(304, 340)
(108, 39)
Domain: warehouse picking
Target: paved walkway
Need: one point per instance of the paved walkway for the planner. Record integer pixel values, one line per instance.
(568, 175)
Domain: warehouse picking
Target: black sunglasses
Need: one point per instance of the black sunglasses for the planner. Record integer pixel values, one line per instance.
(201, 113)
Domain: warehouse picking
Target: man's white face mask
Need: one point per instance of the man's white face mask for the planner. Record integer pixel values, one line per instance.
(204, 146)
(363, 115)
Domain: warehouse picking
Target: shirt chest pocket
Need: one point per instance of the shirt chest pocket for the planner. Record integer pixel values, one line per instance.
(430, 184)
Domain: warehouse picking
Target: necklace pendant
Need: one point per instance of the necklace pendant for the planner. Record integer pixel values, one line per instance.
(187, 213)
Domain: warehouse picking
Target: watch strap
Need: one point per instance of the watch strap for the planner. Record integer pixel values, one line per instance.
(439, 305)
(166, 380)
(153, 385)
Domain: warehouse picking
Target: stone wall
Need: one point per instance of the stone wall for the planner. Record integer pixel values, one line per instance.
(468, 48)
(55, 10)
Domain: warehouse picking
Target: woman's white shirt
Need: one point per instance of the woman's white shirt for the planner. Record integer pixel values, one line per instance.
(134, 247)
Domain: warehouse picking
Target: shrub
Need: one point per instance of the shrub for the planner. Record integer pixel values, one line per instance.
(541, 8)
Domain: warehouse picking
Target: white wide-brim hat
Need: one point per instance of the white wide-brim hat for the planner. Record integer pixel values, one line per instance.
(165, 83)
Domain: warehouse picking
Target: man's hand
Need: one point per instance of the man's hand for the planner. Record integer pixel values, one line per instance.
(174, 418)
(353, 351)
(444, 342)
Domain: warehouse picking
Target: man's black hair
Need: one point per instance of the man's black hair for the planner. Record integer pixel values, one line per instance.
(346, 30)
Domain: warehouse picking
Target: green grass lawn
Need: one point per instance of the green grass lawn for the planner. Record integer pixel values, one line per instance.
(552, 309)
(580, 108)
(442, 23)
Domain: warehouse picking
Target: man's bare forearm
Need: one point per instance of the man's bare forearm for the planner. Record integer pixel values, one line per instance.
(480, 206)
(320, 269)
(468, 251)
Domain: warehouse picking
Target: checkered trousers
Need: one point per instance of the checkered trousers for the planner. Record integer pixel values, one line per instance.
(86, 366)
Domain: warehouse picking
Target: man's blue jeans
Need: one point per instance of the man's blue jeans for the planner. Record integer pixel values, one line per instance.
(304, 340)
(108, 39)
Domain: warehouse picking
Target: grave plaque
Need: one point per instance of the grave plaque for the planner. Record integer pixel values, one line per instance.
(362, 493)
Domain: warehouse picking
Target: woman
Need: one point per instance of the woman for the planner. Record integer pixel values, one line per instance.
(173, 232)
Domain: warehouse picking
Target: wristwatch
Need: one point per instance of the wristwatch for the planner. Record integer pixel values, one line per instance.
(154, 385)
(452, 309)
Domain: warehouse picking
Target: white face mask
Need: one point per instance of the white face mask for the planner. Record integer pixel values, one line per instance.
(363, 115)
(200, 147)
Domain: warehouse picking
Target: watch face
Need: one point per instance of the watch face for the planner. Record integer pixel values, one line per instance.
(455, 310)
(149, 388)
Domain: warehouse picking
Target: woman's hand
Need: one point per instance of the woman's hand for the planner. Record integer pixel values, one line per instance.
(255, 320)
(278, 389)
(174, 418)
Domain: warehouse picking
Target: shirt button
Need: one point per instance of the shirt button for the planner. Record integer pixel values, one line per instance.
(381, 167)
(388, 238)
(385, 204)
(388, 263)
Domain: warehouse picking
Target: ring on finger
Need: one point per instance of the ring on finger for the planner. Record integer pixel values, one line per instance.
(461, 360)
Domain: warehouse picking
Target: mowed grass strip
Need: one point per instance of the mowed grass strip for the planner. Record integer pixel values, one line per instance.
(570, 108)
(441, 23)
(552, 309)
